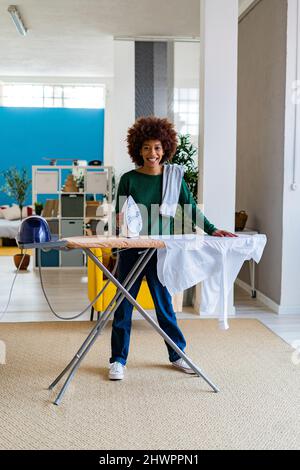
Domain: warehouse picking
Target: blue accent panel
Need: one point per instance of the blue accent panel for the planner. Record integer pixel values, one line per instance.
(29, 134)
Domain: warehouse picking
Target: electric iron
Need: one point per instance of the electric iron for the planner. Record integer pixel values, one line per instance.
(132, 219)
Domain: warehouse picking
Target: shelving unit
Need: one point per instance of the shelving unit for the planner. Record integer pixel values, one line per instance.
(70, 215)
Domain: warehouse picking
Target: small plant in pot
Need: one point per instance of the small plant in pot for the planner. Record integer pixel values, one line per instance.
(185, 155)
(17, 185)
(38, 208)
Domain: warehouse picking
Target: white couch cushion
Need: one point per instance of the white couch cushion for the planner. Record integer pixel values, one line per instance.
(13, 212)
(2, 207)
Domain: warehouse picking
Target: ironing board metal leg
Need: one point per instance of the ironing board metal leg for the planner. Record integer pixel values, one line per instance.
(122, 293)
(152, 322)
(101, 323)
(73, 371)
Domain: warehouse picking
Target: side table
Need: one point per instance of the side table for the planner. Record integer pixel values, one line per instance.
(248, 231)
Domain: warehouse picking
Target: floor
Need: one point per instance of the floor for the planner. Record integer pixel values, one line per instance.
(66, 290)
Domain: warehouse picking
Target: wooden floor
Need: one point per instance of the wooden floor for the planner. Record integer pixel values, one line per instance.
(67, 291)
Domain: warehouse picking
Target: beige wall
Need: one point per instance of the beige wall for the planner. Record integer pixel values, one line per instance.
(260, 142)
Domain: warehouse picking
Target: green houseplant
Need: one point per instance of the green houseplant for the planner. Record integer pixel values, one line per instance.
(17, 186)
(38, 208)
(185, 156)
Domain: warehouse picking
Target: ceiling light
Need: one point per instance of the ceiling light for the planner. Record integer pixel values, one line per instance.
(16, 17)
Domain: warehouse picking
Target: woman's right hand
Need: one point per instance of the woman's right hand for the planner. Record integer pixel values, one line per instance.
(223, 233)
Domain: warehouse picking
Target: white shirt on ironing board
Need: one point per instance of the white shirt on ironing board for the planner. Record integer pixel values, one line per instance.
(214, 261)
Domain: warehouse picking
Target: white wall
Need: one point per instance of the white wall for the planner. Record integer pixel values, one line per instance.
(260, 142)
(290, 291)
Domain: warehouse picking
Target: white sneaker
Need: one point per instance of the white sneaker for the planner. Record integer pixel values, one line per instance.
(116, 371)
(182, 365)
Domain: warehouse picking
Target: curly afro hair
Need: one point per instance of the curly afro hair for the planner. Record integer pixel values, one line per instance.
(151, 128)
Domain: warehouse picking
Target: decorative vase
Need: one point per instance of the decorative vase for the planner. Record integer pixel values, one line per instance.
(240, 220)
(18, 261)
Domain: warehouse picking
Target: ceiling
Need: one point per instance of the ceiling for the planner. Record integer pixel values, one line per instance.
(74, 38)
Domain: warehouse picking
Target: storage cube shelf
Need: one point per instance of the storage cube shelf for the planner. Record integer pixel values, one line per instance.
(70, 210)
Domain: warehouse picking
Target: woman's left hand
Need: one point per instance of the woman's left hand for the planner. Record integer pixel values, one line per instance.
(223, 233)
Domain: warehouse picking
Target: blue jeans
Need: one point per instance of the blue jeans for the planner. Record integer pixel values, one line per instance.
(166, 317)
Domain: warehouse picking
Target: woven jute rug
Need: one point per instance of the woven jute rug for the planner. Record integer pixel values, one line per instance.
(155, 406)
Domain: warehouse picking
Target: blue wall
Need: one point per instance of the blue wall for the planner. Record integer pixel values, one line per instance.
(29, 134)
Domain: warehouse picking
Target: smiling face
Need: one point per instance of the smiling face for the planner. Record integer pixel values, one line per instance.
(152, 153)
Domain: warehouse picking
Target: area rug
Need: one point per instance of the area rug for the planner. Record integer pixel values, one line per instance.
(155, 406)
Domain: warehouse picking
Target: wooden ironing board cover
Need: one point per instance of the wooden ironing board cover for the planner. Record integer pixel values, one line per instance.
(95, 241)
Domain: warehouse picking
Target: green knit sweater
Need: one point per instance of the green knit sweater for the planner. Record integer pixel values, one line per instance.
(146, 190)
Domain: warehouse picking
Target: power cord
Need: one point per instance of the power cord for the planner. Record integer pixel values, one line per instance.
(12, 287)
(57, 315)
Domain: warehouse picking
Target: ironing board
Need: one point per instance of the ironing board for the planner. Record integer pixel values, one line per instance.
(87, 243)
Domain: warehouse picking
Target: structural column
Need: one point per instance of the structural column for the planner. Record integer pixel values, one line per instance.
(123, 104)
(218, 112)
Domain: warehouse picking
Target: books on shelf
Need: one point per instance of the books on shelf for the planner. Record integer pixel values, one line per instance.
(70, 185)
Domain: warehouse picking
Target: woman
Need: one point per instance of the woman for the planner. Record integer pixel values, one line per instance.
(151, 142)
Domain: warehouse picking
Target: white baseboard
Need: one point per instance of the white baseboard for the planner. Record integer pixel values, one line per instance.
(279, 309)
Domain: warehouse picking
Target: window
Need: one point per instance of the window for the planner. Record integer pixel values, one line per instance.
(53, 96)
(186, 110)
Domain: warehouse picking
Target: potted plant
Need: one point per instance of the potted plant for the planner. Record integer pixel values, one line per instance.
(78, 173)
(38, 208)
(80, 183)
(17, 185)
(185, 156)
